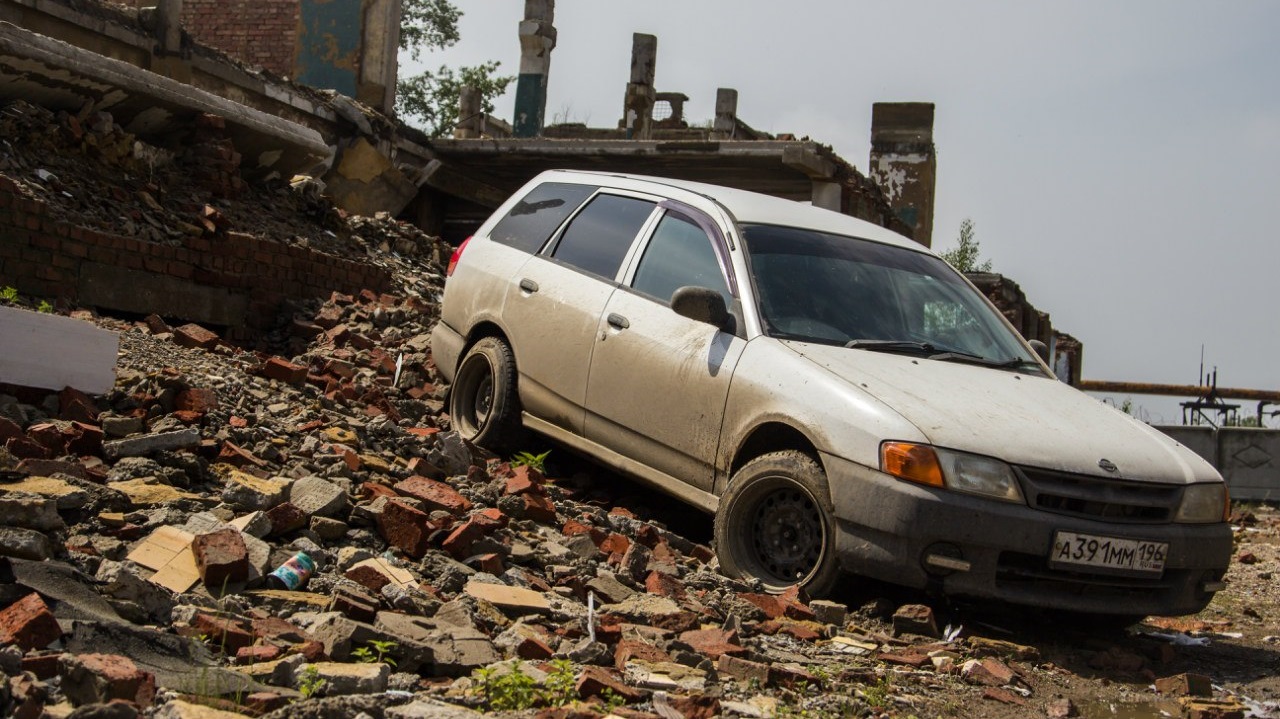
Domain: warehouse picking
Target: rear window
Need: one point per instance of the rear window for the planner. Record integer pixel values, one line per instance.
(598, 238)
(537, 215)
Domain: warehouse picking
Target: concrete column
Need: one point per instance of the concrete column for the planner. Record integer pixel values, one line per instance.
(169, 26)
(726, 113)
(828, 195)
(904, 162)
(537, 40)
(637, 111)
(470, 118)
(379, 66)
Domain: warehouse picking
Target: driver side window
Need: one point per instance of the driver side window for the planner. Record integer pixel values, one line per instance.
(679, 255)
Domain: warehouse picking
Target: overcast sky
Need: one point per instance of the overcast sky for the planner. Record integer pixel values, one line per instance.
(1121, 161)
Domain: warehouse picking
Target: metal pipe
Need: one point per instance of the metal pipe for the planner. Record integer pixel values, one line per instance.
(1174, 390)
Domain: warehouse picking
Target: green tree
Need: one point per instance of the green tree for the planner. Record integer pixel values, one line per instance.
(431, 98)
(964, 257)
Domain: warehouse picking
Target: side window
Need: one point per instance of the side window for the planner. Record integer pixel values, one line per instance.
(679, 254)
(537, 215)
(599, 237)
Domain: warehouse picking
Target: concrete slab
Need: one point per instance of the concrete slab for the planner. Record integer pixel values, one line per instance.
(52, 352)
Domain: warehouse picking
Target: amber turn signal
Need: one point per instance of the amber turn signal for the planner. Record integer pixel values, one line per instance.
(912, 462)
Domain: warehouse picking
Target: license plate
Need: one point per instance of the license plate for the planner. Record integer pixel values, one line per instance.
(1090, 550)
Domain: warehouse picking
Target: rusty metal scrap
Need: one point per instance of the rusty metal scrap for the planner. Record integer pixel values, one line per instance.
(1172, 390)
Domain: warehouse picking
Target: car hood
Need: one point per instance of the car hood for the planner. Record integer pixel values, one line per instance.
(1023, 419)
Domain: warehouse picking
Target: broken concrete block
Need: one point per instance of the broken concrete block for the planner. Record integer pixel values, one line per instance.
(222, 558)
(828, 612)
(25, 543)
(117, 426)
(447, 650)
(67, 495)
(56, 352)
(246, 491)
(100, 678)
(149, 443)
(29, 624)
(314, 495)
(328, 529)
(915, 619)
(433, 494)
(609, 589)
(342, 679)
(254, 524)
(30, 511)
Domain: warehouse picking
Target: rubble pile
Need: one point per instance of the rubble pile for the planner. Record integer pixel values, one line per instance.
(259, 534)
(97, 175)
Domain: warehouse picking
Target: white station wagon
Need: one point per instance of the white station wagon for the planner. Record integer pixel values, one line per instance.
(839, 397)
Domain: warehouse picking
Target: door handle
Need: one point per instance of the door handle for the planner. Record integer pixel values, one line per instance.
(617, 321)
(528, 285)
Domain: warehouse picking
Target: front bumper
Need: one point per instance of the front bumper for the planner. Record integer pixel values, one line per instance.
(886, 527)
(446, 347)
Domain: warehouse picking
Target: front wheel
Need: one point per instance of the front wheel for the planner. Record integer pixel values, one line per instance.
(775, 524)
(483, 403)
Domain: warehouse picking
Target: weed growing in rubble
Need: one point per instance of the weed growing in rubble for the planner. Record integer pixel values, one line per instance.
(309, 682)
(559, 689)
(877, 695)
(512, 690)
(9, 294)
(532, 461)
(375, 652)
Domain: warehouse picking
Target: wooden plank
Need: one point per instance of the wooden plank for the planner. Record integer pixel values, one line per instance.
(52, 352)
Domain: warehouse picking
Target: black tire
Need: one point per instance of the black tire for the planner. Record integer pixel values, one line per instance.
(775, 524)
(483, 402)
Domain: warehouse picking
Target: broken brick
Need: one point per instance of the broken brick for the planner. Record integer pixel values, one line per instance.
(744, 670)
(222, 633)
(523, 480)
(195, 336)
(915, 619)
(101, 678)
(284, 371)
(594, 681)
(406, 528)
(713, 643)
(258, 654)
(435, 495)
(194, 399)
(286, 517)
(221, 557)
(29, 624)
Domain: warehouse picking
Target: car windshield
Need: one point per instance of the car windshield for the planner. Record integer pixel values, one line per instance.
(819, 287)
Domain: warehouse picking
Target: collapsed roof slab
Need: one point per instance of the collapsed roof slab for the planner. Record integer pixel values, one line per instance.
(48, 72)
(790, 169)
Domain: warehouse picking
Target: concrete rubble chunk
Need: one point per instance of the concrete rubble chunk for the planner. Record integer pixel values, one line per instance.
(915, 619)
(67, 495)
(253, 493)
(342, 678)
(151, 491)
(150, 443)
(30, 511)
(314, 495)
(25, 543)
(179, 709)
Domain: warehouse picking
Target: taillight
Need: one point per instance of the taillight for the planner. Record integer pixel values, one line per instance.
(457, 255)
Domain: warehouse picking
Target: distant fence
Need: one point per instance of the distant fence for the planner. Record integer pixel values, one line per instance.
(1249, 459)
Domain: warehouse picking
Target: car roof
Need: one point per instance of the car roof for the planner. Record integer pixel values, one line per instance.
(754, 208)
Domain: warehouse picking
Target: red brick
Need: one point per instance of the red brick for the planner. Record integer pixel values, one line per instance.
(368, 577)
(436, 495)
(406, 528)
(459, 541)
(713, 643)
(222, 558)
(523, 480)
(195, 399)
(100, 678)
(593, 681)
(628, 649)
(539, 508)
(193, 335)
(284, 371)
(44, 666)
(76, 406)
(286, 517)
(665, 585)
(222, 633)
(258, 653)
(29, 624)
(615, 544)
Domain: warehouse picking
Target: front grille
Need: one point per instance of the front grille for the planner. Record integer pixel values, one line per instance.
(1026, 570)
(1099, 498)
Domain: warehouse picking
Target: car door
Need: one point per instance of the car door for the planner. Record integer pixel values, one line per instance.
(555, 300)
(659, 381)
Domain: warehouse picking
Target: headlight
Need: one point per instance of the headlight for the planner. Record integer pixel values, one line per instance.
(1203, 504)
(958, 471)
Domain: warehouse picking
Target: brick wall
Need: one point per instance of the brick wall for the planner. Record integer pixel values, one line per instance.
(44, 256)
(257, 32)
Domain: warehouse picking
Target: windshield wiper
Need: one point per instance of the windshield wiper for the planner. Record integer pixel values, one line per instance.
(905, 346)
(956, 356)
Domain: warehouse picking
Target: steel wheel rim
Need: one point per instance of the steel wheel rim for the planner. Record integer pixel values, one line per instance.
(476, 390)
(787, 536)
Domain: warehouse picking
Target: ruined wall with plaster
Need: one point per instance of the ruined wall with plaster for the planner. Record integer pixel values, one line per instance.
(233, 280)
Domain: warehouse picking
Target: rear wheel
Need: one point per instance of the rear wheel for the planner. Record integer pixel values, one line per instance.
(483, 403)
(775, 525)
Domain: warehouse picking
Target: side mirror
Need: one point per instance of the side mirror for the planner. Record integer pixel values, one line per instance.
(1041, 349)
(702, 305)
